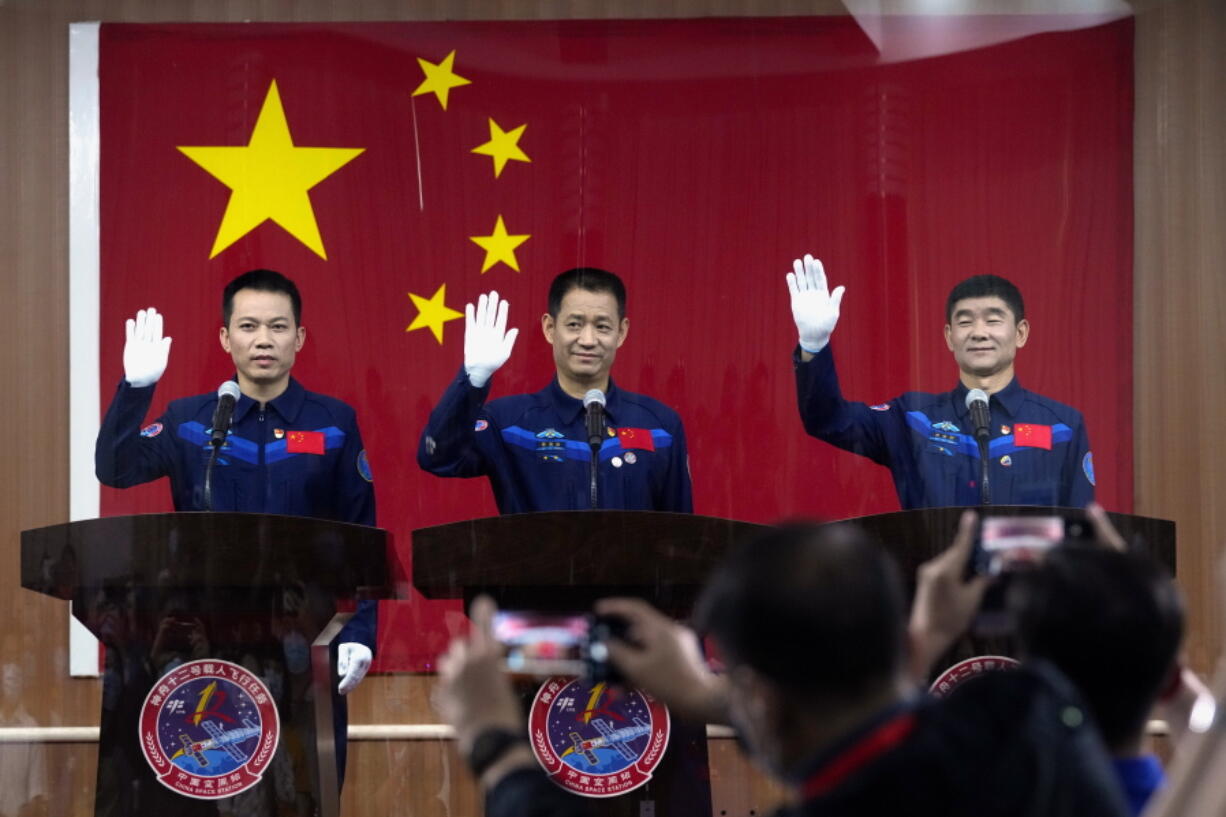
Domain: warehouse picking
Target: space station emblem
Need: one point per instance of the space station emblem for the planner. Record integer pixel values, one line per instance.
(209, 729)
(596, 740)
(964, 671)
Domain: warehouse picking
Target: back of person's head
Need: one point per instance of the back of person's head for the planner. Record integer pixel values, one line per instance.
(817, 609)
(986, 286)
(260, 280)
(1112, 622)
(590, 279)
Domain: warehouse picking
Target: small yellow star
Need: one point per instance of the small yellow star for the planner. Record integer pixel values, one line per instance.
(432, 313)
(440, 79)
(499, 246)
(503, 146)
(269, 178)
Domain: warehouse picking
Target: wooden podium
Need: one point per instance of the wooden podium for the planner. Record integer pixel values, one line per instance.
(248, 599)
(564, 561)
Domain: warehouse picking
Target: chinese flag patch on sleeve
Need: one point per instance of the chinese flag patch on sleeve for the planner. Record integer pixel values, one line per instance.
(1032, 436)
(639, 438)
(304, 442)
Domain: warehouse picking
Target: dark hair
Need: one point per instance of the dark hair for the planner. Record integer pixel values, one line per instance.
(591, 279)
(1110, 621)
(261, 280)
(987, 286)
(817, 609)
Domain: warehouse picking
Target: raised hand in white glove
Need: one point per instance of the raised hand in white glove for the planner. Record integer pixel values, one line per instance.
(487, 342)
(145, 352)
(814, 308)
(352, 662)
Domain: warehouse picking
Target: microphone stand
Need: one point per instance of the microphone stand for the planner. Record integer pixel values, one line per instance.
(977, 405)
(208, 476)
(593, 404)
(595, 438)
(595, 464)
(985, 488)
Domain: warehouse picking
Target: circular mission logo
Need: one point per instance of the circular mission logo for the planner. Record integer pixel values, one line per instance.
(964, 671)
(209, 729)
(595, 740)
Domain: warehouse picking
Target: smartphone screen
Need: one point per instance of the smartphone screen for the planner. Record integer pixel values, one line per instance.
(542, 644)
(1011, 542)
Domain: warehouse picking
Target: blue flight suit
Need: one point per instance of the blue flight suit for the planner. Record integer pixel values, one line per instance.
(927, 441)
(254, 472)
(533, 448)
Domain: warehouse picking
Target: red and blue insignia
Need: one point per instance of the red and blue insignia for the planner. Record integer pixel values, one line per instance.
(151, 430)
(639, 438)
(1030, 435)
(595, 740)
(1087, 465)
(481, 425)
(305, 442)
(880, 407)
(364, 467)
(964, 671)
(209, 729)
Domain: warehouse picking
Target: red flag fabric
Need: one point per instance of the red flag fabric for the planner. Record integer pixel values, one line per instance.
(1029, 435)
(304, 442)
(397, 171)
(639, 438)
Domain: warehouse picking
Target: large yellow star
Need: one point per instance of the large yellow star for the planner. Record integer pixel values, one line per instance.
(432, 313)
(503, 146)
(269, 178)
(499, 246)
(440, 79)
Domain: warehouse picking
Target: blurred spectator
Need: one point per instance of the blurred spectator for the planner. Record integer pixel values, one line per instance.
(810, 620)
(1109, 619)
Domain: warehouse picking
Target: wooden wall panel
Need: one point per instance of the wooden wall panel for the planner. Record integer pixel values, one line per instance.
(1180, 328)
(1180, 296)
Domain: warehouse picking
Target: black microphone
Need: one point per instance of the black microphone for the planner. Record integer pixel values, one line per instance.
(593, 401)
(977, 403)
(227, 396)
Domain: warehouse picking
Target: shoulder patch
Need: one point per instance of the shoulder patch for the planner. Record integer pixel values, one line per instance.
(1087, 465)
(880, 407)
(151, 430)
(364, 467)
(481, 425)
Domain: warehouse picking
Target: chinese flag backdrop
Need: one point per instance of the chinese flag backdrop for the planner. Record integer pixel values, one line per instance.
(694, 158)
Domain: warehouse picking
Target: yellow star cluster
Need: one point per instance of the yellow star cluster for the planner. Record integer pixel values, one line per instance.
(502, 147)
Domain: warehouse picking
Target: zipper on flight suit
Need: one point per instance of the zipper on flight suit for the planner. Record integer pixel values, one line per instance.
(263, 435)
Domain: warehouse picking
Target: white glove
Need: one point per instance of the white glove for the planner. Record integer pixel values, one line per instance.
(352, 662)
(487, 343)
(814, 309)
(146, 352)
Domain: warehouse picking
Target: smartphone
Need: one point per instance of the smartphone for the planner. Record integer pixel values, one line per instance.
(542, 644)
(1007, 545)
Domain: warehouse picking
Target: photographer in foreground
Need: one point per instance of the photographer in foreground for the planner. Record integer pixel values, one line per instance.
(811, 623)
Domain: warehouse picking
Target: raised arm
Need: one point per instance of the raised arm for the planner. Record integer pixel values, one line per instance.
(448, 446)
(123, 455)
(826, 415)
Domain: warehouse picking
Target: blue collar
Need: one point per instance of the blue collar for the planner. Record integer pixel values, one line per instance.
(287, 404)
(1010, 398)
(570, 408)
